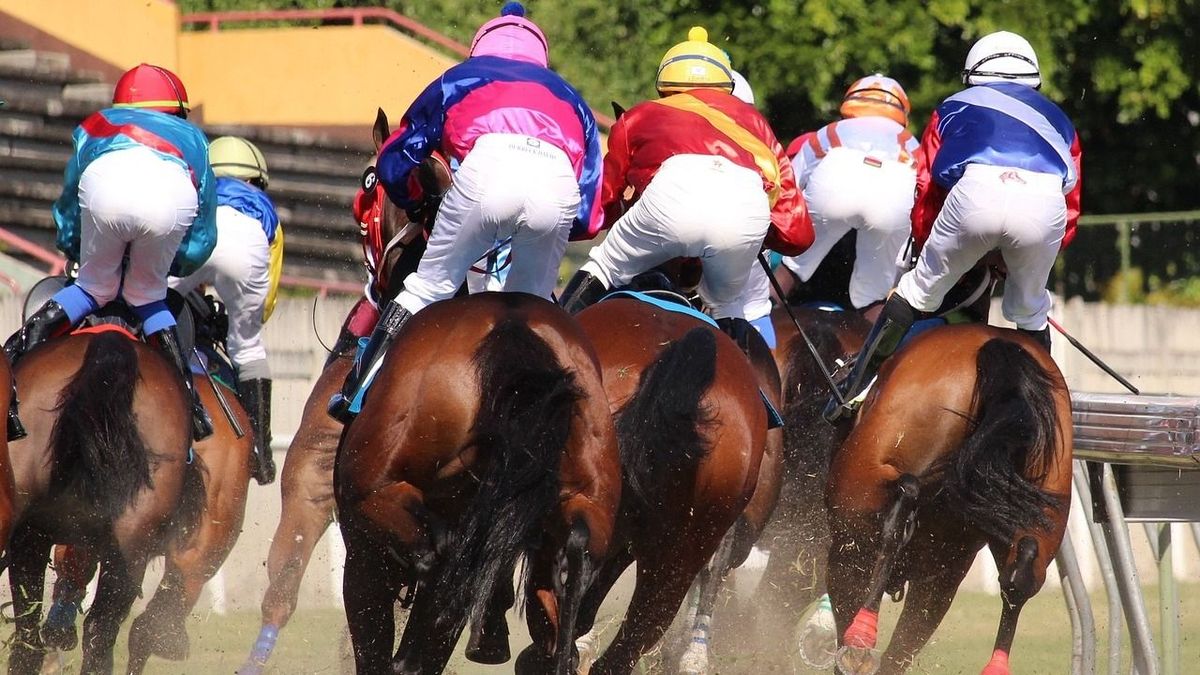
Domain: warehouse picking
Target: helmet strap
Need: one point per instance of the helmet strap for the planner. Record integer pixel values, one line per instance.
(974, 70)
(182, 112)
(852, 96)
(520, 25)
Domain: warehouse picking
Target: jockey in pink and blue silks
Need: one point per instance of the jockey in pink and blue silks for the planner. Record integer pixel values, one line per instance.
(526, 157)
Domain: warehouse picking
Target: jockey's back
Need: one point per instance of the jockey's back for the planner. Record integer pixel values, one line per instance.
(876, 137)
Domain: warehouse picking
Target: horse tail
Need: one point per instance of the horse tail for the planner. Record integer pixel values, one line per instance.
(95, 442)
(808, 443)
(660, 430)
(528, 402)
(995, 478)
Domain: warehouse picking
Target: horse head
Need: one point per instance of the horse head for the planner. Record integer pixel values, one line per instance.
(394, 239)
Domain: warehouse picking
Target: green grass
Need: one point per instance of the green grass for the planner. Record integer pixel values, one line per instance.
(313, 642)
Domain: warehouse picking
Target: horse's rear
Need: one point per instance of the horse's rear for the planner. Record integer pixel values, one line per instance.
(965, 440)
(105, 465)
(692, 430)
(486, 435)
(7, 489)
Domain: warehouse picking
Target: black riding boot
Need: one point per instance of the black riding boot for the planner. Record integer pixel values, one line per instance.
(583, 290)
(393, 319)
(885, 336)
(49, 321)
(1041, 336)
(738, 329)
(256, 396)
(167, 342)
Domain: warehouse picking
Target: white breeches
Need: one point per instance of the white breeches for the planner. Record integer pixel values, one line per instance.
(133, 199)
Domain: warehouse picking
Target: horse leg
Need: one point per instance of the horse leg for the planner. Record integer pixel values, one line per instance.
(488, 643)
(554, 600)
(586, 635)
(118, 587)
(74, 567)
(662, 583)
(369, 589)
(694, 660)
(27, 578)
(857, 656)
(1021, 577)
(926, 602)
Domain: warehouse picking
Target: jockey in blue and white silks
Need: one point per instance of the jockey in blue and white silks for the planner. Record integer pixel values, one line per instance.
(137, 204)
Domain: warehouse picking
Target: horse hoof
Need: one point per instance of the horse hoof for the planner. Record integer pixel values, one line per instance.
(857, 661)
(818, 640)
(53, 663)
(694, 660)
(490, 650)
(531, 661)
(61, 637)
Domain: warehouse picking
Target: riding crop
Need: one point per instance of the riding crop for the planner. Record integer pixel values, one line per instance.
(812, 349)
(1092, 357)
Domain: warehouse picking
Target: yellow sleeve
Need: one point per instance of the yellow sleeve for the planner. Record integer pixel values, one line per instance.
(274, 271)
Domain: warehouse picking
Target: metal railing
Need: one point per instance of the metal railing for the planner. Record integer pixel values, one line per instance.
(356, 16)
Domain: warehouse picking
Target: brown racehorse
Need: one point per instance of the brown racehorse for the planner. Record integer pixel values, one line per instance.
(692, 430)
(192, 558)
(486, 436)
(8, 495)
(106, 465)
(306, 482)
(964, 441)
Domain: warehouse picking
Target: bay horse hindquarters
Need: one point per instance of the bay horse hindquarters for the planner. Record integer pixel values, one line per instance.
(7, 489)
(105, 465)
(964, 441)
(485, 436)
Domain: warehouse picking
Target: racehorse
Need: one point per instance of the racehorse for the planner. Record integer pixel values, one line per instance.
(106, 465)
(964, 441)
(486, 436)
(306, 482)
(692, 430)
(7, 490)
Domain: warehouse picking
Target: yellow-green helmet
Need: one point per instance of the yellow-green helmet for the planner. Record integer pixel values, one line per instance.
(694, 64)
(236, 157)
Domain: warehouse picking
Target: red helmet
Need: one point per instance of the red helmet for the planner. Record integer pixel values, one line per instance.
(151, 88)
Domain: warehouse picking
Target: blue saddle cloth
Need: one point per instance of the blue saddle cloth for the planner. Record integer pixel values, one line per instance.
(774, 418)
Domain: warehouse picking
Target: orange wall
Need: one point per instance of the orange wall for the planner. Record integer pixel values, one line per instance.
(121, 32)
(335, 75)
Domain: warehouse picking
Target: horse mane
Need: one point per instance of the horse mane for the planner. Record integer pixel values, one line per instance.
(523, 423)
(96, 446)
(994, 480)
(660, 431)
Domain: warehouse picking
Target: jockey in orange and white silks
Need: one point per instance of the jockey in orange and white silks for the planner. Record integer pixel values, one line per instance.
(697, 173)
(999, 170)
(525, 151)
(138, 183)
(859, 173)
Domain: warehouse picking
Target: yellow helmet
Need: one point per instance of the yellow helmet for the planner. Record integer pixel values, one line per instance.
(236, 157)
(694, 64)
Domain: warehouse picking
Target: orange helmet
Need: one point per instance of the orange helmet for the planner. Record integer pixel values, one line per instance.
(151, 88)
(879, 96)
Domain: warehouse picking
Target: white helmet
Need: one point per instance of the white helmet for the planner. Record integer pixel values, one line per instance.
(1002, 57)
(741, 88)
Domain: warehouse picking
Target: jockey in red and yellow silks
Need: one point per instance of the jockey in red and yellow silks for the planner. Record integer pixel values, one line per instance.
(695, 173)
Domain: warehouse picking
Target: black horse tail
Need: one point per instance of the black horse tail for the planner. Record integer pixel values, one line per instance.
(528, 401)
(95, 442)
(661, 429)
(808, 442)
(994, 480)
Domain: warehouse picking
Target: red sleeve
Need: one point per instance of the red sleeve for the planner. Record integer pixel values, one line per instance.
(930, 196)
(616, 170)
(798, 143)
(791, 231)
(1073, 197)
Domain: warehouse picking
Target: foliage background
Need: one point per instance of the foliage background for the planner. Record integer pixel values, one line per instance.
(1126, 71)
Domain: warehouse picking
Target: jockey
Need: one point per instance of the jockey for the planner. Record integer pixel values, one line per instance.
(859, 173)
(138, 187)
(694, 173)
(244, 270)
(527, 156)
(1000, 169)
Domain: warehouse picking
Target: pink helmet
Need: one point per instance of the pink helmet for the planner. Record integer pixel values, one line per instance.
(511, 36)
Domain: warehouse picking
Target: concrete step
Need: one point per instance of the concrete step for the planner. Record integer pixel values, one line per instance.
(36, 60)
(96, 94)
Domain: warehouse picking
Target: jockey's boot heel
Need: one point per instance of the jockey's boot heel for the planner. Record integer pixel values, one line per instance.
(393, 319)
(167, 342)
(583, 290)
(49, 321)
(16, 430)
(256, 396)
(1041, 336)
(883, 340)
(738, 330)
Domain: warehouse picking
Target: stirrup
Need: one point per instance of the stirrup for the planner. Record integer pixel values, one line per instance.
(16, 430)
(835, 412)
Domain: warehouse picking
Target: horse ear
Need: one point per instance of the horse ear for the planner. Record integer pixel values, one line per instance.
(380, 131)
(618, 110)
